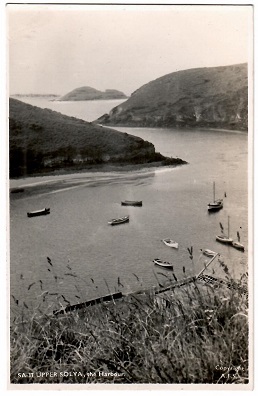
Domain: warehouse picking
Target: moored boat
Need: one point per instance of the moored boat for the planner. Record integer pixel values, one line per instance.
(208, 252)
(170, 243)
(119, 220)
(238, 245)
(162, 263)
(40, 212)
(214, 206)
(16, 190)
(224, 238)
(131, 203)
(217, 204)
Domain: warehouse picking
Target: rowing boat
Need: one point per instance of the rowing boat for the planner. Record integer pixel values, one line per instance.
(40, 212)
(131, 203)
(120, 220)
(164, 264)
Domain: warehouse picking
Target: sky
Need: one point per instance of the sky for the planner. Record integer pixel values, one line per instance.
(54, 49)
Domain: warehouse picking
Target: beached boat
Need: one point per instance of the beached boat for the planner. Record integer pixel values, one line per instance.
(120, 220)
(217, 204)
(208, 252)
(161, 263)
(40, 212)
(170, 243)
(131, 203)
(224, 238)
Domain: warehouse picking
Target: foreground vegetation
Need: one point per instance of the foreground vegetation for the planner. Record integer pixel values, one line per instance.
(195, 334)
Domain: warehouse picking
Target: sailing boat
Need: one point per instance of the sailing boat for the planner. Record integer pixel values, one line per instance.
(217, 204)
(237, 244)
(223, 238)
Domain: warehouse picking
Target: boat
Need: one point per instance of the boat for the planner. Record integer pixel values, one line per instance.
(238, 245)
(40, 212)
(120, 220)
(170, 243)
(208, 252)
(16, 190)
(217, 204)
(131, 203)
(223, 238)
(161, 263)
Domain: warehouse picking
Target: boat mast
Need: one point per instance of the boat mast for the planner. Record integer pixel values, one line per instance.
(228, 226)
(213, 191)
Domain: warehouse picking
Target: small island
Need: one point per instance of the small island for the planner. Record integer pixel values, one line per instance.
(88, 93)
(42, 141)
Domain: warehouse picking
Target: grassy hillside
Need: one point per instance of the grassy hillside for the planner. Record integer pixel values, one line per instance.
(88, 93)
(42, 140)
(214, 97)
(191, 335)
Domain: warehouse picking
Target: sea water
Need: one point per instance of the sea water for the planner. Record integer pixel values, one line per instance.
(74, 253)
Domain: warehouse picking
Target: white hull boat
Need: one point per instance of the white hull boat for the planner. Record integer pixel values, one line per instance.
(120, 220)
(164, 264)
(224, 239)
(209, 253)
(238, 245)
(170, 243)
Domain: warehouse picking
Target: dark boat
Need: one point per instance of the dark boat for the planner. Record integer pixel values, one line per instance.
(217, 204)
(120, 220)
(16, 190)
(214, 206)
(40, 212)
(131, 203)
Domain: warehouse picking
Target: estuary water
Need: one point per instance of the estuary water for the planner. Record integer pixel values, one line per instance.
(74, 253)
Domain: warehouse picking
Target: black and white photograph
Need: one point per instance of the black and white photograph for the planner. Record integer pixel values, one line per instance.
(130, 195)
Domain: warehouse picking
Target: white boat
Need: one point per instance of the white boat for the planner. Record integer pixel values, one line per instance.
(217, 204)
(208, 252)
(238, 245)
(170, 243)
(163, 263)
(225, 238)
(119, 220)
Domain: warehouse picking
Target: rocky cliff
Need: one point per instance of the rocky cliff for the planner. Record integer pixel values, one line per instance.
(214, 97)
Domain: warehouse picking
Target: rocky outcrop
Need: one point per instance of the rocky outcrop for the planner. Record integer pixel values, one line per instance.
(88, 93)
(206, 97)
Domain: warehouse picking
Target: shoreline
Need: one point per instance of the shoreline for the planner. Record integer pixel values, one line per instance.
(18, 185)
(182, 129)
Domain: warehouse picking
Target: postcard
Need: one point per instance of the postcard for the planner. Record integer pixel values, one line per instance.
(130, 196)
